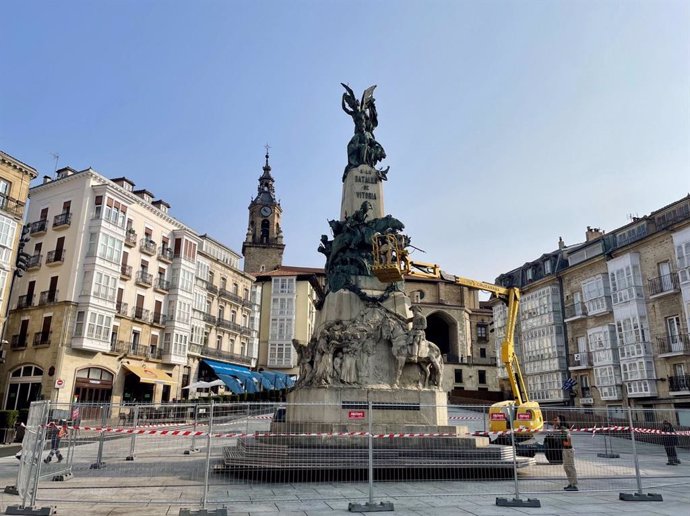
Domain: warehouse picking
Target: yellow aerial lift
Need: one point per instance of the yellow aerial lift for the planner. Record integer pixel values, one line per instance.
(392, 263)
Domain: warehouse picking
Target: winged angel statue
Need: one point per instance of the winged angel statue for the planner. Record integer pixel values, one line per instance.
(363, 148)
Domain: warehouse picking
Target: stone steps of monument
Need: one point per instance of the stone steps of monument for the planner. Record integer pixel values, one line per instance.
(250, 454)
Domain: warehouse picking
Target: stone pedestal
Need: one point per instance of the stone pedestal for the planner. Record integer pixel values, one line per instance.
(362, 184)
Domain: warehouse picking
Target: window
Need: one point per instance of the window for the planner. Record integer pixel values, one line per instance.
(180, 344)
(595, 292)
(626, 283)
(482, 376)
(79, 325)
(482, 331)
(98, 326)
(8, 229)
(109, 248)
(282, 306)
(183, 312)
(104, 286)
(482, 352)
(547, 267)
(281, 329)
(458, 376)
(186, 280)
(3, 282)
(219, 341)
(283, 285)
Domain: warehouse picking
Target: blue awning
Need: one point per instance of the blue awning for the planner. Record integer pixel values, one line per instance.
(232, 383)
(249, 380)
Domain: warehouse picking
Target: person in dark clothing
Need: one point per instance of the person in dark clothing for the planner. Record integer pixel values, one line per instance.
(670, 440)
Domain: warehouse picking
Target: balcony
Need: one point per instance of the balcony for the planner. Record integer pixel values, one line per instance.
(38, 228)
(673, 345)
(161, 284)
(211, 287)
(18, 341)
(575, 311)
(34, 262)
(47, 297)
(228, 325)
(581, 360)
(62, 221)
(121, 309)
(159, 319)
(663, 285)
(677, 384)
(165, 254)
(126, 272)
(225, 355)
(144, 279)
(147, 246)
(25, 301)
(56, 257)
(135, 350)
(453, 359)
(209, 318)
(42, 339)
(130, 238)
(12, 206)
(141, 314)
(229, 295)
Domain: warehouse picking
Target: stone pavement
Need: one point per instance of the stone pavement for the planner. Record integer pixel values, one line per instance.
(409, 498)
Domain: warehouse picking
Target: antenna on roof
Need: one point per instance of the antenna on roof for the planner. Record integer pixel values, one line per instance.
(57, 158)
(632, 216)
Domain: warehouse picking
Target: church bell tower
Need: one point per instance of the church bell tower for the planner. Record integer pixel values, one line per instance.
(263, 246)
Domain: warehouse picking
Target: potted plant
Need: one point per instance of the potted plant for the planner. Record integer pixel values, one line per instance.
(8, 420)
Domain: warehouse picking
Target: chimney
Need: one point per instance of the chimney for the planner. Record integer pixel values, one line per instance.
(593, 233)
(47, 179)
(561, 243)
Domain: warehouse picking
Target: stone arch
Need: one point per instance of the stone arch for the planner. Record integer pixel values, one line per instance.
(442, 330)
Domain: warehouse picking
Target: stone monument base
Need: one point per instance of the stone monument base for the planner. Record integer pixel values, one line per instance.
(346, 409)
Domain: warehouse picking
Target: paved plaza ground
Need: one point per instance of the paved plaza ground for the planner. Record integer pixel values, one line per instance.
(162, 480)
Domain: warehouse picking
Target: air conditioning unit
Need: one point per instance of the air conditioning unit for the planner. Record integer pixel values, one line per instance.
(576, 356)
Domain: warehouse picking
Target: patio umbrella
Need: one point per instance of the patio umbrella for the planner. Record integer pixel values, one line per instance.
(200, 385)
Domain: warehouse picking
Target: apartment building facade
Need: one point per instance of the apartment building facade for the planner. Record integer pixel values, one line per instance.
(15, 178)
(625, 313)
(106, 308)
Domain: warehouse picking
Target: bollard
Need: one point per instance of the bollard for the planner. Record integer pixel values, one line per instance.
(99, 457)
(516, 501)
(133, 441)
(639, 496)
(192, 447)
(370, 506)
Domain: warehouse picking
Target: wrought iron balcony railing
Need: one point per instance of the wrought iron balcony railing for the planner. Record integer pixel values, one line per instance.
(663, 284)
(25, 301)
(121, 308)
(62, 220)
(18, 341)
(674, 344)
(581, 359)
(230, 295)
(34, 261)
(48, 296)
(165, 254)
(55, 256)
(159, 319)
(130, 238)
(575, 310)
(126, 271)
(147, 246)
(40, 226)
(144, 278)
(11, 205)
(141, 314)
(679, 383)
(42, 338)
(162, 284)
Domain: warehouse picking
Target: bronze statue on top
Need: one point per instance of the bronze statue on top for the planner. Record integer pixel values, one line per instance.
(363, 148)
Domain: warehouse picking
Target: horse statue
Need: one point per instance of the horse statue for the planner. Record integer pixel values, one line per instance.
(429, 358)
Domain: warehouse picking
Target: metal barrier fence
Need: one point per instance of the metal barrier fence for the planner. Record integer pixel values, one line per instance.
(211, 455)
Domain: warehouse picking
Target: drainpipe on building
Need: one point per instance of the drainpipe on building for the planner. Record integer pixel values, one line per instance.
(571, 399)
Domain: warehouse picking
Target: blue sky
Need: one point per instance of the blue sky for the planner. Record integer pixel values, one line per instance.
(507, 123)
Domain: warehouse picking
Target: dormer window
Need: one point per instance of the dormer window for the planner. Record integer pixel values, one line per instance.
(547, 267)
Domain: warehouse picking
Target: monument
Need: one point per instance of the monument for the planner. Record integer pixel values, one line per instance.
(368, 360)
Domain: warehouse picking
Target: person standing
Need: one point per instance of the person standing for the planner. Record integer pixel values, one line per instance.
(670, 440)
(562, 433)
(56, 433)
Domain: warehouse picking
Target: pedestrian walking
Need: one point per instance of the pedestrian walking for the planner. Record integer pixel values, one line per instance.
(563, 433)
(56, 431)
(670, 440)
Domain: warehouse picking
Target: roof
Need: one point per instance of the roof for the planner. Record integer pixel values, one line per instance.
(289, 270)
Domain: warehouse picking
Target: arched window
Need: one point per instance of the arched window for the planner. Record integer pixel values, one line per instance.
(264, 231)
(24, 387)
